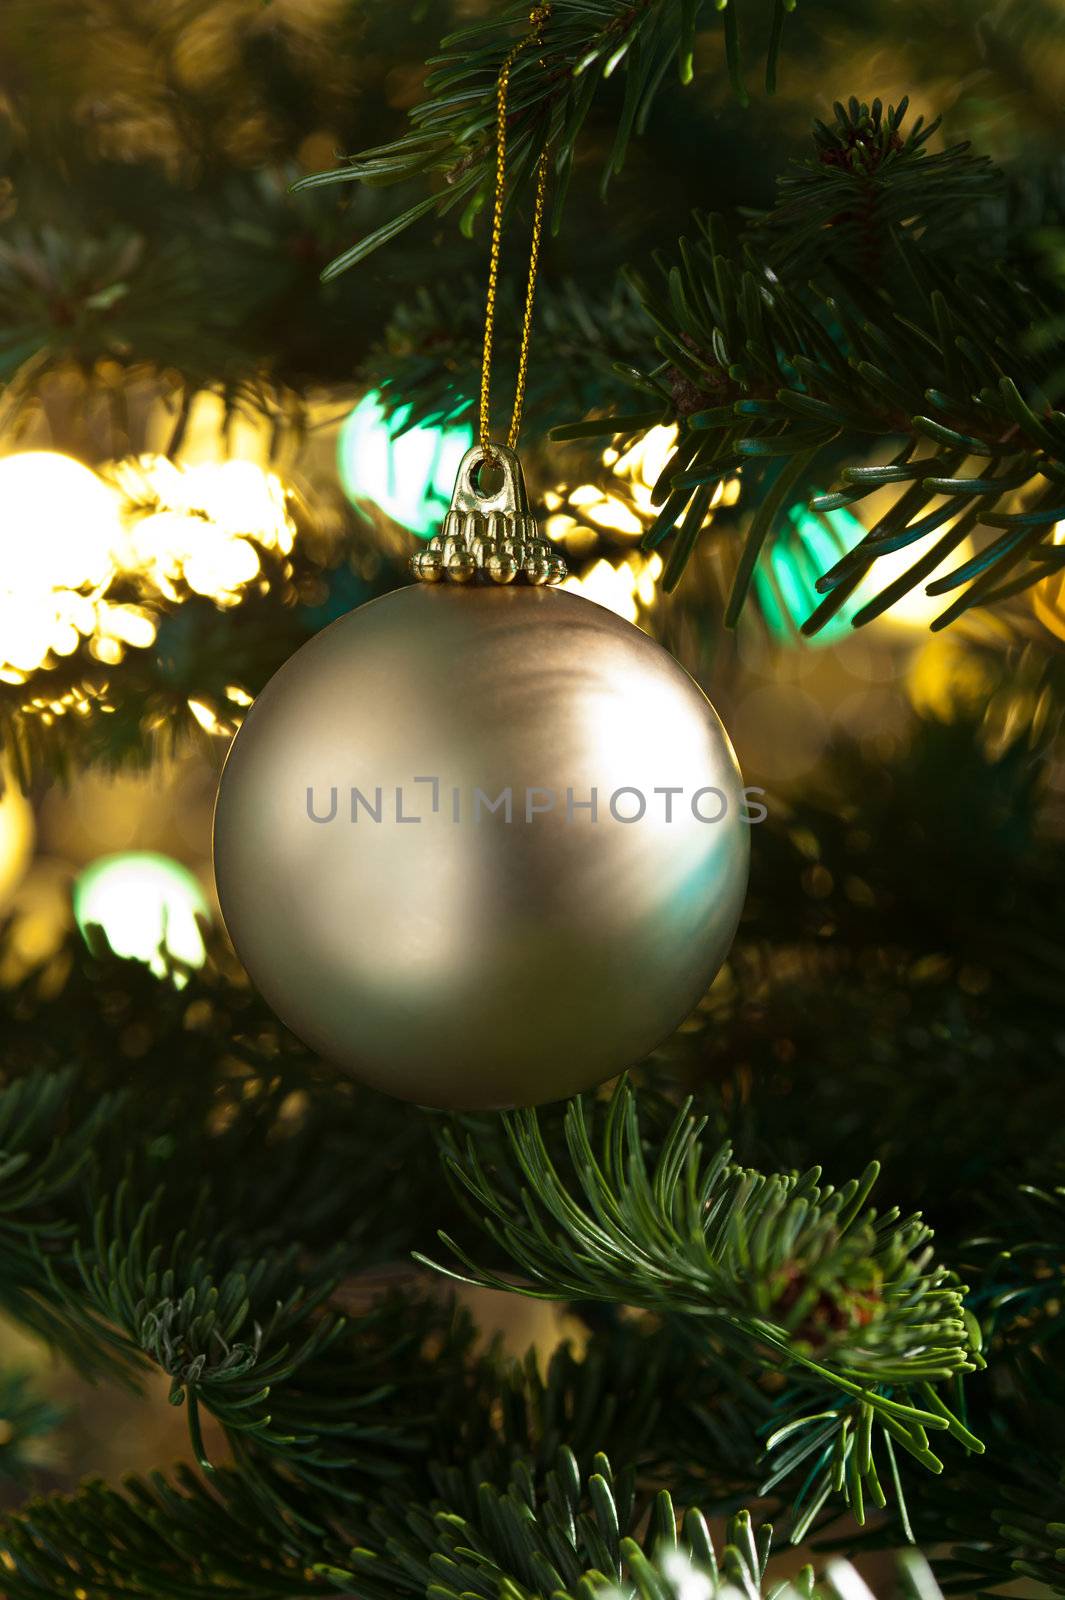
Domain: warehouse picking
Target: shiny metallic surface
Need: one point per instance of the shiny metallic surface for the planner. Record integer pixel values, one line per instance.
(462, 959)
(489, 534)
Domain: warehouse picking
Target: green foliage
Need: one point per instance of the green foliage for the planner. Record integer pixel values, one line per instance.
(430, 355)
(805, 1278)
(149, 227)
(184, 1266)
(45, 1156)
(868, 181)
(1023, 1281)
(159, 1536)
(185, 1192)
(26, 1421)
(452, 132)
(561, 1534)
(892, 347)
(1004, 1514)
(979, 895)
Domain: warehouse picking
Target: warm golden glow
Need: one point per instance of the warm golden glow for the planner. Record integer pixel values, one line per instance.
(623, 588)
(579, 516)
(1048, 595)
(70, 533)
(946, 678)
(197, 524)
(210, 722)
(60, 525)
(17, 834)
(40, 916)
(915, 611)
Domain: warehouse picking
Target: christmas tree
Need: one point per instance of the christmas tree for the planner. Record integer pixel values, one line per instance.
(793, 388)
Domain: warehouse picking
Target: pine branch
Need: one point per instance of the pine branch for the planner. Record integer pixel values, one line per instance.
(1020, 1262)
(151, 227)
(534, 1536)
(979, 897)
(869, 185)
(430, 356)
(45, 1157)
(552, 92)
(150, 1071)
(805, 1278)
(781, 379)
(156, 1536)
(1003, 1516)
(26, 1420)
(83, 299)
(561, 1534)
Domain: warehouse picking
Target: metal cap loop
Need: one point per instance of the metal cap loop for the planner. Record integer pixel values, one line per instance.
(491, 536)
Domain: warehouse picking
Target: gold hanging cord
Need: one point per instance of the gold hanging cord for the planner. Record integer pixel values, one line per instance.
(538, 17)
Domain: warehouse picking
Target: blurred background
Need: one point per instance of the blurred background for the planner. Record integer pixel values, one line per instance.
(202, 461)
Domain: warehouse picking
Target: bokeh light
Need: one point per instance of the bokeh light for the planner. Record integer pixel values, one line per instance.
(202, 526)
(409, 472)
(946, 678)
(70, 534)
(916, 610)
(623, 587)
(580, 516)
(785, 579)
(1048, 595)
(40, 917)
(60, 525)
(17, 837)
(807, 545)
(147, 905)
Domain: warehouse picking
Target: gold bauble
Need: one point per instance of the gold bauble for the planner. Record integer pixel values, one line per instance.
(445, 951)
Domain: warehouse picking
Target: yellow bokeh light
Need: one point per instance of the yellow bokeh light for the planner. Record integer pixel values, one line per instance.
(643, 463)
(69, 534)
(579, 516)
(1048, 595)
(17, 836)
(197, 524)
(209, 720)
(623, 588)
(916, 610)
(60, 524)
(945, 679)
(40, 916)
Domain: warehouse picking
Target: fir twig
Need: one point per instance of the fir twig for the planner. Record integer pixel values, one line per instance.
(586, 42)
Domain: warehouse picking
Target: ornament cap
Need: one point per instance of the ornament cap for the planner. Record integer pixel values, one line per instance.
(489, 535)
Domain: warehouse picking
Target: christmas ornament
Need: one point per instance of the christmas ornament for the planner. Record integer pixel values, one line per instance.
(407, 471)
(482, 842)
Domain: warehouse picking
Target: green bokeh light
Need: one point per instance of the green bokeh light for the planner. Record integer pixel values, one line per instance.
(410, 474)
(786, 576)
(147, 906)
